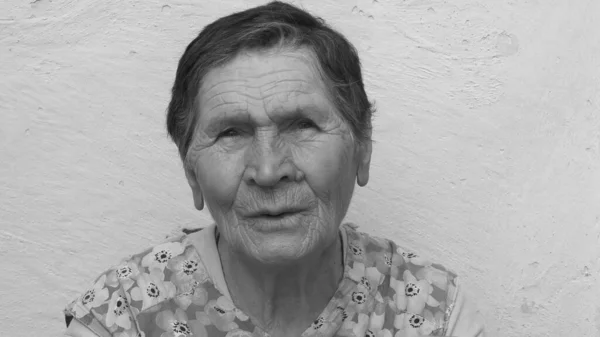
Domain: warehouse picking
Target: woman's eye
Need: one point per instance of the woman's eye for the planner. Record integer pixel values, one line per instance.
(306, 124)
(229, 133)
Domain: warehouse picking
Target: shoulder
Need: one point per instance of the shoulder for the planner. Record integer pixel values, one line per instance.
(418, 291)
(136, 284)
(373, 250)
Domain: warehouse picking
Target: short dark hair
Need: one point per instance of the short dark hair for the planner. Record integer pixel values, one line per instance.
(274, 24)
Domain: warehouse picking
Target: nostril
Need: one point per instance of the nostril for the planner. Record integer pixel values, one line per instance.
(270, 172)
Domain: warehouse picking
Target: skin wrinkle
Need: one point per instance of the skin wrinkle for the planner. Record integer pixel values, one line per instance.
(280, 276)
(309, 55)
(245, 82)
(283, 81)
(338, 66)
(261, 96)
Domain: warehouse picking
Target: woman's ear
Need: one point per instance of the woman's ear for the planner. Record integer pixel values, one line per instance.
(190, 174)
(364, 162)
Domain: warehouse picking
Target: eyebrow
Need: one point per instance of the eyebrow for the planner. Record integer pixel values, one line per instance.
(236, 116)
(241, 116)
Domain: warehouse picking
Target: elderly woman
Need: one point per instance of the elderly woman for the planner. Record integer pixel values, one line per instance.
(273, 125)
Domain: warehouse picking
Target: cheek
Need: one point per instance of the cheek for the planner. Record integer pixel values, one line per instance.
(329, 169)
(219, 177)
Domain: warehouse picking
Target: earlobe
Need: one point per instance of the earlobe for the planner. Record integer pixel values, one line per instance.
(364, 164)
(196, 191)
(199, 201)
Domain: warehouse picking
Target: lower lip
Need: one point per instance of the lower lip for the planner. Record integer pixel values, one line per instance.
(275, 223)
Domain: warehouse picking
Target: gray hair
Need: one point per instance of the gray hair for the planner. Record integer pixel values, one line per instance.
(276, 24)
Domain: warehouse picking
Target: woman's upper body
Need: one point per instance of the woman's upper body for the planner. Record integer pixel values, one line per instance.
(178, 288)
(273, 125)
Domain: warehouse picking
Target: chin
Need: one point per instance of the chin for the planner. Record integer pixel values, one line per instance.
(282, 242)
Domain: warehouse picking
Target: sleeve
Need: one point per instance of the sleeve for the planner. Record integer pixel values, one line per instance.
(465, 319)
(104, 309)
(77, 329)
(85, 315)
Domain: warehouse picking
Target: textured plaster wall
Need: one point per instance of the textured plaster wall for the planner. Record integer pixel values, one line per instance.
(487, 155)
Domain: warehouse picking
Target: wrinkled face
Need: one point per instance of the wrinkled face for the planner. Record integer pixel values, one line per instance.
(271, 158)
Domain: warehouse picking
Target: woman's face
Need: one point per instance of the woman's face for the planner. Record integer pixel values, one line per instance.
(271, 158)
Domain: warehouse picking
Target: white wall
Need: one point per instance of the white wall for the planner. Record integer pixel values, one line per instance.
(487, 153)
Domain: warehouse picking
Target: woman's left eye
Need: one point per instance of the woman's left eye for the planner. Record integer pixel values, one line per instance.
(305, 124)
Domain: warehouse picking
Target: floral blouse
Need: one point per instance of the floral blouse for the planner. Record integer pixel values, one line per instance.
(177, 289)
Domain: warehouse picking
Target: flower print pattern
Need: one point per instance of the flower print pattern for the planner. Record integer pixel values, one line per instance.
(193, 294)
(239, 333)
(374, 276)
(318, 323)
(368, 277)
(161, 254)
(413, 295)
(347, 324)
(361, 301)
(397, 266)
(119, 311)
(357, 272)
(176, 324)
(382, 262)
(413, 325)
(222, 314)
(152, 289)
(358, 254)
(322, 327)
(92, 298)
(378, 333)
(123, 275)
(414, 258)
(167, 291)
(434, 276)
(131, 333)
(378, 254)
(377, 319)
(360, 328)
(187, 268)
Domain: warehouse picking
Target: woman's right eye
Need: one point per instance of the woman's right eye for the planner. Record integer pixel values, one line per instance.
(229, 133)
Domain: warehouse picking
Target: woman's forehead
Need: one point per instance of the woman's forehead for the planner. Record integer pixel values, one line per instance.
(264, 70)
(285, 80)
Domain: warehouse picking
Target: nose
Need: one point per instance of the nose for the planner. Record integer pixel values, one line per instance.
(269, 163)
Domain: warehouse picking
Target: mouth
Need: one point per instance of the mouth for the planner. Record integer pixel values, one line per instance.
(270, 220)
(274, 214)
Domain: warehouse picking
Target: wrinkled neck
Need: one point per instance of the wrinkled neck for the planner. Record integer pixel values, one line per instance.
(283, 297)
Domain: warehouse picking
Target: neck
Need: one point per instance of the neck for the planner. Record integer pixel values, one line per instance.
(283, 299)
